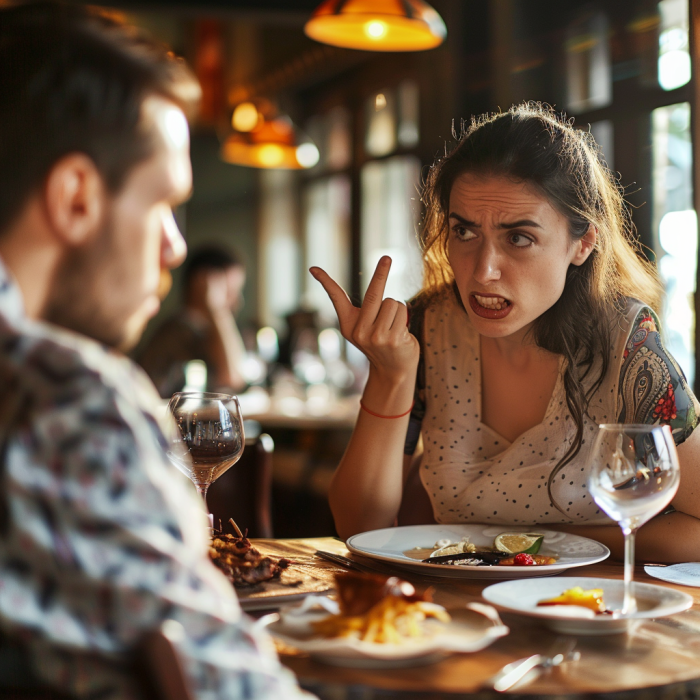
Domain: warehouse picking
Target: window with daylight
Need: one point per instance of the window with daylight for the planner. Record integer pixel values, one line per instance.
(674, 44)
(675, 222)
(390, 208)
(327, 238)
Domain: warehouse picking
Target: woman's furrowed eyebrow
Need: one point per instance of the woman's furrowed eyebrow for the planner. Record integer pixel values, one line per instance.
(464, 221)
(514, 224)
(518, 224)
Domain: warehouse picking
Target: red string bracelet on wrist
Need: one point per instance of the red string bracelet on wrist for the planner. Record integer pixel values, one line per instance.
(379, 415)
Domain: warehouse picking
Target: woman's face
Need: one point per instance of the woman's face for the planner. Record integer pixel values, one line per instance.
(509, 249)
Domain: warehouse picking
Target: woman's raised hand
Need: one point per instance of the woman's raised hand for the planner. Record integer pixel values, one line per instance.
(377, 328)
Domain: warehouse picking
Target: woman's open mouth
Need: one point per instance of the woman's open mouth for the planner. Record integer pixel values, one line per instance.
(490, 306)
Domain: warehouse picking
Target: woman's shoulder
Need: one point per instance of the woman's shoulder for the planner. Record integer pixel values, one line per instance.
(652, 386)
(434, 297)
(429, 301)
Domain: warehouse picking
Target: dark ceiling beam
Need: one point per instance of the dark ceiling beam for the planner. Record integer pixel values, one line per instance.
(287, 12)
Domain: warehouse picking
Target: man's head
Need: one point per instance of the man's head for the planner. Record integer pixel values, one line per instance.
(214, 277)
(94, 152)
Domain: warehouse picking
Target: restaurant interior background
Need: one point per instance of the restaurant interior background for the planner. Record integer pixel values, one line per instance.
(369, 124)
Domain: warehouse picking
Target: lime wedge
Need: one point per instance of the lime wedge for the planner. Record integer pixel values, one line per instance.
(516, 542)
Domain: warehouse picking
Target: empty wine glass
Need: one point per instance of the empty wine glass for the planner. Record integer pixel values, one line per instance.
(635, 475)
(210, 436)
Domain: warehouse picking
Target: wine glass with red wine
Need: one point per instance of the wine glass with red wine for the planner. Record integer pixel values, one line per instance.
(210, 436)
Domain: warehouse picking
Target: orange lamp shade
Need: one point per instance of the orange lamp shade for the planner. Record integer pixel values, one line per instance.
(377, 25)
(272, 145)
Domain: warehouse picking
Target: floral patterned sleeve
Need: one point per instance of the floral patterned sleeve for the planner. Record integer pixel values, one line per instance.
(653, 389)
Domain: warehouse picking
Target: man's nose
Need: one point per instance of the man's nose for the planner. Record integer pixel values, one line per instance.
(173, 248)
(488, 264)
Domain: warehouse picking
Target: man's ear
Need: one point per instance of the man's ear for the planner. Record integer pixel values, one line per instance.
(585, 245)
(75, 199)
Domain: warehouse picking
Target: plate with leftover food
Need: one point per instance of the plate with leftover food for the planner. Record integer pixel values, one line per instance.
(383, 622)
(582, 605)
(478, 551)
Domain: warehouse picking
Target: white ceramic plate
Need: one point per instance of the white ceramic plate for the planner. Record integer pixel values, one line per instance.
(472, 628)
(686, 574)
(394, 545)
(522, 597)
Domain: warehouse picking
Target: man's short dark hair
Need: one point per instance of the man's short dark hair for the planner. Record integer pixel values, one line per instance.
(73, 80)
(209, 258)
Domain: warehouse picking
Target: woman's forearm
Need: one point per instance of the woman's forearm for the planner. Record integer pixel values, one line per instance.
(366, 490)
(665, 539)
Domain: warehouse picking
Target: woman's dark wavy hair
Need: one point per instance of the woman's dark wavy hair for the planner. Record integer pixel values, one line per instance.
(534, 144)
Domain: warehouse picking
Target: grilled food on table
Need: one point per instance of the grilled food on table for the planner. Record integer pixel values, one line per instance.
(241, 562)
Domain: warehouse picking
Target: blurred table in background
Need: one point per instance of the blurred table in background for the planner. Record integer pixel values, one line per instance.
(296, 414)
(310, 437)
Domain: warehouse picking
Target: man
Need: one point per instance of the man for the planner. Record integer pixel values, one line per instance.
(204, 329)
(100, 539)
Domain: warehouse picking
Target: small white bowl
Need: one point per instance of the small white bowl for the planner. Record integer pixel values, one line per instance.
(523, 595)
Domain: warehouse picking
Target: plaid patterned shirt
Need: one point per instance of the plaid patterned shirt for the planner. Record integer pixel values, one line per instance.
(100, 537)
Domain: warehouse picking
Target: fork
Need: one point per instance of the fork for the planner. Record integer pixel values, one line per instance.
(347, 563)
(513, 672)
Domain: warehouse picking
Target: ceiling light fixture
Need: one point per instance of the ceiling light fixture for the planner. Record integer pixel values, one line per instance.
(377, 25)
(273, 143)
(246, 117)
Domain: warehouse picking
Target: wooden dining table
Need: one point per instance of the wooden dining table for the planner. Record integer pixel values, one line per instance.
(657, 658)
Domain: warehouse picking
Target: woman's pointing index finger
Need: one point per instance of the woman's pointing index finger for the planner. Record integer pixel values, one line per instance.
(337, 295)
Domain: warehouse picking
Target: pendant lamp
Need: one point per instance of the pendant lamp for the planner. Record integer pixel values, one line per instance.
(267, 143)
(377, 25)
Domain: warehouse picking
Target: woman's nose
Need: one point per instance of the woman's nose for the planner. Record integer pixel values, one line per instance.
(488, 265)
(173, 248)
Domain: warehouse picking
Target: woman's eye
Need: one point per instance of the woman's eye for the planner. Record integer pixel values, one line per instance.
(520, 241)
(463, 234)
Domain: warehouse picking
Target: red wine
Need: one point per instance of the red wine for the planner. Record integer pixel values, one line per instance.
(212, 447)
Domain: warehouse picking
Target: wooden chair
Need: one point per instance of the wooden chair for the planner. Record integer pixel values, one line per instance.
(154, 664)
(244, 491)
(158, 666)
(416, 508)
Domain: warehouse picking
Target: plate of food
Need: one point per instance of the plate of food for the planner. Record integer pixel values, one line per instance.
(381, 622)
(581, 605)
(478, 551)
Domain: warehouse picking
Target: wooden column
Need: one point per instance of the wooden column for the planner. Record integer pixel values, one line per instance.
(501, 30)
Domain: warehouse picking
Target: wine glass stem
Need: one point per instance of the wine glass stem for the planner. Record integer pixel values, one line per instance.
(202, 491)
(629, 604)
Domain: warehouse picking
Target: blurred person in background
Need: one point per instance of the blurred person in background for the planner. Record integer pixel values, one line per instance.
(100, 538)
(204, 329)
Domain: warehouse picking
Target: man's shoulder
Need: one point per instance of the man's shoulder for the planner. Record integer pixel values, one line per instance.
(55, 367)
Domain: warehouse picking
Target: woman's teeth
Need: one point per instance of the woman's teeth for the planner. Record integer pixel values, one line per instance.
(492, 302)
